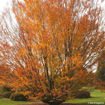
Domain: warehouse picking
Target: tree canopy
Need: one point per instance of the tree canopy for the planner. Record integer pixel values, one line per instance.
(52, 46)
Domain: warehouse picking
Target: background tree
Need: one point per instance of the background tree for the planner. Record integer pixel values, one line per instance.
(52, 46)
(101, 67)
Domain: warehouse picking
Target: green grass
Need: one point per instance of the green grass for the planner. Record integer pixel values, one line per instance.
(97, 97)
(10, 102)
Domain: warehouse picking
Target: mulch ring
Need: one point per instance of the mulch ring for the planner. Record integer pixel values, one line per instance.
(47, 104)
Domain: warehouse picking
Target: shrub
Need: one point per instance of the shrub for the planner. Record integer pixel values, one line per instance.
(7, 94)
(90, 89)
(6, 88)
(83, 94)
(18, 97)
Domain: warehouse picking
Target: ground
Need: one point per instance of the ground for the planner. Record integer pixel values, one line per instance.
(61, 104)
(97, 98)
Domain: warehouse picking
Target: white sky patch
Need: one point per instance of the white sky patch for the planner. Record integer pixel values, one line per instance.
(4, 4)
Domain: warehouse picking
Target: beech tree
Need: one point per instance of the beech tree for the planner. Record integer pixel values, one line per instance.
(53, 45)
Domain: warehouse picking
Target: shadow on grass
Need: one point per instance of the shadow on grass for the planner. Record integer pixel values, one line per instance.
(47, 104)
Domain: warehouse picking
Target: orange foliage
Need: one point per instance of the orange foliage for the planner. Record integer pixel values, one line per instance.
(57, 42)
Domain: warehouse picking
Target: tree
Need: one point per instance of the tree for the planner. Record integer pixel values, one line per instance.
(101, 67)
(53, 44)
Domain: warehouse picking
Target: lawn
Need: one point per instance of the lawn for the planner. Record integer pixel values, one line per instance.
(9, 102)
(97, 98)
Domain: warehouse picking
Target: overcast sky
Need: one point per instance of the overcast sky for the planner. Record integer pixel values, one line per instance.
(4, 4)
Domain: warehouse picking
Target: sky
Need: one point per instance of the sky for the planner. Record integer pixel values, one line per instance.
(4, 4)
